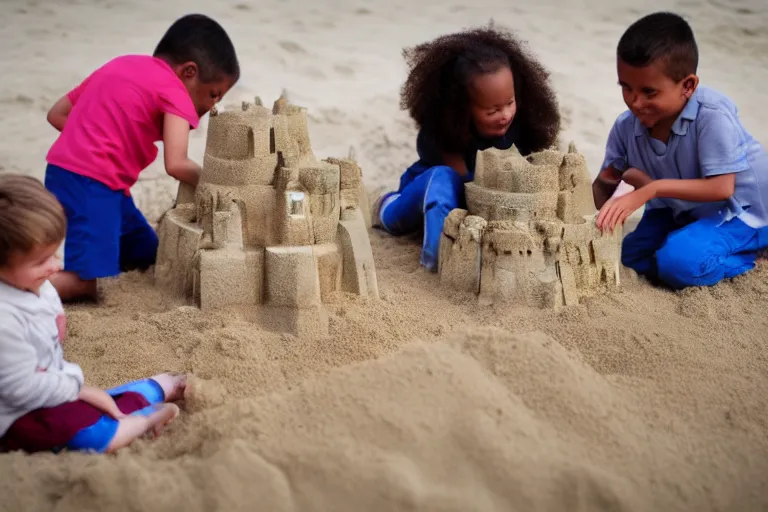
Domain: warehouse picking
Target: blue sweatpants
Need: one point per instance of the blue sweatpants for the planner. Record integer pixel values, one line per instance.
(426, 196)
(96, 438)
(701, 253)
(106, 233)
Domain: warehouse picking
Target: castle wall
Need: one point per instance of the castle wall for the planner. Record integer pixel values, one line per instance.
(502, 205)
(269, 226)
(229, 277)
(176, 254)
(528, 234)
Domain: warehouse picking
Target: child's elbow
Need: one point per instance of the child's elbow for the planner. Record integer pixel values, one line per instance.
(728, 191)
(54, 119)
(174, 164)
(726, 186)
(183, 170)
(172, 169)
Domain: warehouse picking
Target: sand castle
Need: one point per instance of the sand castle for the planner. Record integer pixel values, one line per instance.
(528, 234)
(269, 227)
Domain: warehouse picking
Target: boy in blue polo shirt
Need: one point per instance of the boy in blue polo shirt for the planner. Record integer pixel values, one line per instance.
(701, 176)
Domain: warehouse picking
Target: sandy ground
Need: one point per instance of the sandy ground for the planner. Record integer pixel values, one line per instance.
(640, 400)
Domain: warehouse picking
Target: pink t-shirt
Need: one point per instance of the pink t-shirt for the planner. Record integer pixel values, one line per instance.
(116, 118)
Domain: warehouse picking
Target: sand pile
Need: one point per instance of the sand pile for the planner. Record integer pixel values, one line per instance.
(639, 400)
(482, 421)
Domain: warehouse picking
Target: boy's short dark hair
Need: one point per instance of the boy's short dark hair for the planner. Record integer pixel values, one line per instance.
(30, 216)
(661, 35)
(200, 39)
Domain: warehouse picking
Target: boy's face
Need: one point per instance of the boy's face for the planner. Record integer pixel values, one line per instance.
(28, 271)
(654, 98)
(493, 104)
(204, 94)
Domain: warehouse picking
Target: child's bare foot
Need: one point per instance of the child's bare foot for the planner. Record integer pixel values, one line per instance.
(173, 385)
(382, 200)
(132, 427)
(160, 419)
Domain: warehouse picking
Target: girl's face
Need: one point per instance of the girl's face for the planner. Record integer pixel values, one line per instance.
(492, 102)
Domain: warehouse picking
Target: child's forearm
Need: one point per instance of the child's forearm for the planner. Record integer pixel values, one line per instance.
(101, 400)
(605, 185)
(636, 178)
(186, 171)
(601, 192)
(717, 188)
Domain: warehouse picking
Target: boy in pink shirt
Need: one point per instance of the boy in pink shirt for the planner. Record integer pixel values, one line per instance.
(109, 125)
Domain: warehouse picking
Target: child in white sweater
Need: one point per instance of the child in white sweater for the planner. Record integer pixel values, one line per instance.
(44, 402)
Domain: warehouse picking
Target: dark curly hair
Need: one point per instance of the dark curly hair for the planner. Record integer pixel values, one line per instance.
(436, 91)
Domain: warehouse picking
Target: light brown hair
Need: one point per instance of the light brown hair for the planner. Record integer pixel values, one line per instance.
(30, 216)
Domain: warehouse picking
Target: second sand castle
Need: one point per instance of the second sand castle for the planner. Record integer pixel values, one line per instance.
(270, 226)
(528, 235)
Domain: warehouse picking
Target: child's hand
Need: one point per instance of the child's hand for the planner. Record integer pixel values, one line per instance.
(101, 400)
(616, 211)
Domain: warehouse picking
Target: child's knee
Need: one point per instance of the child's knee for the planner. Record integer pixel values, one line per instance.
(682, 264)
(447, 175)
(139, 250)
(633, 251)
(678, 269)
(444, 188)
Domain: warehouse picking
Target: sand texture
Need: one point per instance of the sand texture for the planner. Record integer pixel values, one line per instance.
(638, 399)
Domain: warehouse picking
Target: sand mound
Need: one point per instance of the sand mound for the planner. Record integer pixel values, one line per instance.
(483, 421)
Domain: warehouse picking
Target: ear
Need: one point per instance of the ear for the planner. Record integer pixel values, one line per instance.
(187, 70)
(690, 83)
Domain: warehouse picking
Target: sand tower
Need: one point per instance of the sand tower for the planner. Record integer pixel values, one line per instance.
(528, 234)
(269, 227)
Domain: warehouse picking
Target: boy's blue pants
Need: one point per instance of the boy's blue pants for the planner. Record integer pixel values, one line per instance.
(106, 233)
(701, 253)
(426, 196)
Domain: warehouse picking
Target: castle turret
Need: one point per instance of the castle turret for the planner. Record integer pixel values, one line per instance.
(270, 227)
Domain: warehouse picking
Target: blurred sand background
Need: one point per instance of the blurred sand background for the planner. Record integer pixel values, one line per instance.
(640, 400)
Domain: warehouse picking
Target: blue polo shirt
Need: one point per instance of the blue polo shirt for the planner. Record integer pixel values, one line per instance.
(707, 139)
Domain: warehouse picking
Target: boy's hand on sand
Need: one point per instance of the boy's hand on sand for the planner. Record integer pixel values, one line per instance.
(618, 209)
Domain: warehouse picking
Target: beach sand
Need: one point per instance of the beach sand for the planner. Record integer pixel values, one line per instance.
(643, 399)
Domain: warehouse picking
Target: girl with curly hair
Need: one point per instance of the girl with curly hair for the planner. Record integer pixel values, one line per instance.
(467, 92)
